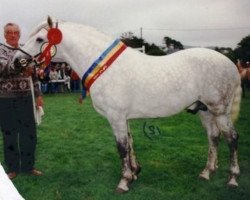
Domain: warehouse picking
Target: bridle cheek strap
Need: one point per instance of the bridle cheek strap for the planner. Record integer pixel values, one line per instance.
(46, 54)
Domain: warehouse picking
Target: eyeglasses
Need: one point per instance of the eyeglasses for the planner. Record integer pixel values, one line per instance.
(12, 33)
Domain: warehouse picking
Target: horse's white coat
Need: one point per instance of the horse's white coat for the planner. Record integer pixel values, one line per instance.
(141, 86)
(146, 86)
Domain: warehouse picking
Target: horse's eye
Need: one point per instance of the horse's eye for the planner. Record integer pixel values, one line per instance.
(39, 40)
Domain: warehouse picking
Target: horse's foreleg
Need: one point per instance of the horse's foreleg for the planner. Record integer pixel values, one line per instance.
(213, 133)
(127, 175)
(120, 130)
(231, 137)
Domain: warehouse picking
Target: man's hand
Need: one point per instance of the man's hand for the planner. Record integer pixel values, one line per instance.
(39, 101)
(28, 71)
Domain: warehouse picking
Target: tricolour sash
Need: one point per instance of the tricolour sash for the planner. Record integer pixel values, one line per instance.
(101, 64)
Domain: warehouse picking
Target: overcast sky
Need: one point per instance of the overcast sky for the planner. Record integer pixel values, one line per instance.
(203, 23)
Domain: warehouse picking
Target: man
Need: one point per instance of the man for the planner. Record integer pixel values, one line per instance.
(17, 120)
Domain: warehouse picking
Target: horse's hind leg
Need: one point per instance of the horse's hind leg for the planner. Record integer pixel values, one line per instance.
(213, 133)
(226, 127)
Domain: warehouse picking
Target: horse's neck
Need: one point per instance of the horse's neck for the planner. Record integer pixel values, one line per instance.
(84, 50)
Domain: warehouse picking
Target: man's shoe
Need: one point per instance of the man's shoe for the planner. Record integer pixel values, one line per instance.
(36, 172)
(12, 175)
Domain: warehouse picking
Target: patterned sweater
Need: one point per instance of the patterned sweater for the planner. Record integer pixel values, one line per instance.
(13, 82)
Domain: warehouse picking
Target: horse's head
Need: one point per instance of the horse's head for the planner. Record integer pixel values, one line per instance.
(41, 46)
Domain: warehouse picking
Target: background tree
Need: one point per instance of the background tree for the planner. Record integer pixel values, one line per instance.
(242, 51)
(154, 50)
(229, 52)
(171, 42)
(132, 41)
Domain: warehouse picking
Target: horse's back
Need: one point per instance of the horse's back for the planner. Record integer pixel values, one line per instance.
(198, 58)
(185, 70)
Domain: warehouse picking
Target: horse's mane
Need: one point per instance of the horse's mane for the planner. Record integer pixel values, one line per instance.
(94, 32)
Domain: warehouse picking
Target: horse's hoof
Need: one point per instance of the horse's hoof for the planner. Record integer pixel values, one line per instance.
(120, 190)
(122, 186)
(204, 176)
(232, 183)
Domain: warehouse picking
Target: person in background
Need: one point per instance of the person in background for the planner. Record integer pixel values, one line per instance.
(74, 81)
(53, 77)
(18, 90)
(67, 73)
(43, 77)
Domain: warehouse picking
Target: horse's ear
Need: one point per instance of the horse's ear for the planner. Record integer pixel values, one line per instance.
(50, 23)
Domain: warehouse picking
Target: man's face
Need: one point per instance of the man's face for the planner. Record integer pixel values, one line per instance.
(12, 35)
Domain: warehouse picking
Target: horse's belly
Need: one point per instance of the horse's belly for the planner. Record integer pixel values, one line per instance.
(139, 102)
(160, 105)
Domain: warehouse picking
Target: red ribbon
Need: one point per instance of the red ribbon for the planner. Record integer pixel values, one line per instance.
(46, 54)
(54, 37)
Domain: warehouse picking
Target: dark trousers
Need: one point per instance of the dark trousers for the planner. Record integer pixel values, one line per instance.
(19, 133)
(75, 85)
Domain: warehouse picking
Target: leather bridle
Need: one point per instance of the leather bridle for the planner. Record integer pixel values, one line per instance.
(48, 49)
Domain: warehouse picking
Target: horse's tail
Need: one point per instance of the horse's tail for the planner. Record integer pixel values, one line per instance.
(235, 110)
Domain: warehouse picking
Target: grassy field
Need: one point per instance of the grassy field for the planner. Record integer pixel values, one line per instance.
(78, 155)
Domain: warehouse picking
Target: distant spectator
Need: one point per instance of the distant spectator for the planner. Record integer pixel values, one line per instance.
(44, 79)
(65, 76)
(53, 78)
(74, 82)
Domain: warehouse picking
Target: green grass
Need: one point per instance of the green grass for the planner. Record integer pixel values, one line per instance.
(77, 153)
